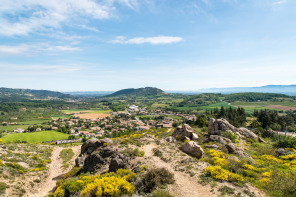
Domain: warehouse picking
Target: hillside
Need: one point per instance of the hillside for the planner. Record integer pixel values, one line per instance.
(147, 91)
(10, 94)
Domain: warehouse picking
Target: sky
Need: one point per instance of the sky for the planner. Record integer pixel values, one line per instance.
(108, 45)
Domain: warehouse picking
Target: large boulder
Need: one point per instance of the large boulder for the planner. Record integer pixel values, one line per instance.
(93, 162)
(91, 145)
(220, 139)
(215, 127)
(192, 149)
(118, 162)
(107, 152)
(185, 131)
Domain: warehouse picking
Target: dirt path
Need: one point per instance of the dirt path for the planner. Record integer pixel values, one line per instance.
(184, 184)
(55, 171)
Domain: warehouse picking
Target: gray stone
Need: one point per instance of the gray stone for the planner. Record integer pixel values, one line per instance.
(191, 148)
(215, 127)
(107, 152)
(170, 139)
(185, 131)
(220, 139)
(118, 162)
(214, 146)
(93, 162)
(93, 144)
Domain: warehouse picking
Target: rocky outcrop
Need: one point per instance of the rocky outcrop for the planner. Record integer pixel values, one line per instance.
(119, 161)
(192, 149)
(215, 127)
(170, 139)
(91, 145)
(232, 149)
(93, 162)
(97, 153)
(185, 131)
(219, 139)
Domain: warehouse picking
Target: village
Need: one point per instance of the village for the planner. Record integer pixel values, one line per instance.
(134, 118)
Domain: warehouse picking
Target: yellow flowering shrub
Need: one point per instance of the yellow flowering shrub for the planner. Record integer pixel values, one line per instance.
(291, 149)
(266, 174)
(108, 184)
(289, 157)
(270, 158)
(218, 158)
(60, 192)
(250, 167)
(218, 172)
(264, 181)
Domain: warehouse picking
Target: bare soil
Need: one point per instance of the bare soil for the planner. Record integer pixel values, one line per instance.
(92, 115)
(281, 107)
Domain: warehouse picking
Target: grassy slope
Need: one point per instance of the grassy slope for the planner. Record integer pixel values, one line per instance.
(35, 137)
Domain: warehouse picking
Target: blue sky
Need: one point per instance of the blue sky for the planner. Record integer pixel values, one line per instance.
(92, 45)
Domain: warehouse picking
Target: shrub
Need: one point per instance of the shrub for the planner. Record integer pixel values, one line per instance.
(230, 135)
(155, 178)
(161, 193)
(218, 172)
(133, 152)
(226, 190)
(157, 152)
(2, 187)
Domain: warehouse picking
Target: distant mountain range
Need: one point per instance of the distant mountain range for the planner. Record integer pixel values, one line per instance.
(283, 89)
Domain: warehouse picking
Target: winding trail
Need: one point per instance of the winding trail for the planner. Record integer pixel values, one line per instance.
(184, 184)
(55, 171)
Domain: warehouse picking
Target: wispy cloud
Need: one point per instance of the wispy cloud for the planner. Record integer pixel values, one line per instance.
(24, 48)
(38, 69)
(22, 17)
(12, 50)
(279, 2)
(149, 40)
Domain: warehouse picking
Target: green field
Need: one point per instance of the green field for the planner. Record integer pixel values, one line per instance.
(215, 105)
(35, 137)
(22, 125)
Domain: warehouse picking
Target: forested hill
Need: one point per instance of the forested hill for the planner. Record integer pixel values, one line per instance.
(9, 94)
(254, 96)
(147, 91)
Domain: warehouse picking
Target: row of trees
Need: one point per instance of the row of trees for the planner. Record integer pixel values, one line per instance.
(271, 119)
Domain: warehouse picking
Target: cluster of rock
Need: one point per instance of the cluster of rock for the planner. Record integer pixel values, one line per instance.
(98, 153)
(191, 147)
(185, 131)
(216, 126)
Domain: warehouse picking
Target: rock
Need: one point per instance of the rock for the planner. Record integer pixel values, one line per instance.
(191, 148)
(23, 164)
(282, 151)
(232, 149)
(220, 139)
(170, 139)
(214, 146)
(118, 162)
(215, 127)
(79, 161)
(194, 136)
(185, 131)
(91, 145)
(93, 162)
(106, 152)
(233, 158)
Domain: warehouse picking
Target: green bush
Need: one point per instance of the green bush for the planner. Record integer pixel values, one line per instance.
(2, 187)
(161, 193)
(230, 135)
(226, 190)
(155, 178)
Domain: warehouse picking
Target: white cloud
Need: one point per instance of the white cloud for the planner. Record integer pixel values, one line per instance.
(24, 48)
(37, 69)
(149, 40)
(279, 2)
(22, 17)
(12, 50)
